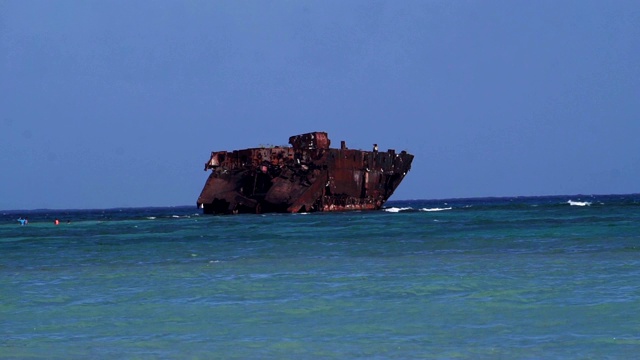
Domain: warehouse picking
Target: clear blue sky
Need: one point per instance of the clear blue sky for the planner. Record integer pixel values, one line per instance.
(119, 103)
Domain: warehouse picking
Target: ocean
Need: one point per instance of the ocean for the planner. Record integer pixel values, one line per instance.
(512, 278)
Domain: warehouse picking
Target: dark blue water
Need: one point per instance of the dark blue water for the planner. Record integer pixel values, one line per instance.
(543, 277)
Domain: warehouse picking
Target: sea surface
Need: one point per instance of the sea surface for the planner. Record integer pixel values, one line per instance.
(495, 278)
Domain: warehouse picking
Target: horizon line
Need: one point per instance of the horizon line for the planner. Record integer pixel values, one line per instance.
(395, 200)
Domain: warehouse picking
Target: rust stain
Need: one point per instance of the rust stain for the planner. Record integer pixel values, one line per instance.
(308, 176)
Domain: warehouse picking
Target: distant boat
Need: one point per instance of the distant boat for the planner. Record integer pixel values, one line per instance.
(307, 176)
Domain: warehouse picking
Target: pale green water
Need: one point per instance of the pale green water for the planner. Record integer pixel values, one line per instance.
(523, 278)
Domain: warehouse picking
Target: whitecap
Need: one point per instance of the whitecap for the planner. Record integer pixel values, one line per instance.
(395, 209)
(578, 203)
(436, 209)
(151, 217)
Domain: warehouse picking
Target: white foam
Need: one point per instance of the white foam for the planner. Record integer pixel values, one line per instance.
(395, 209)
(578, 203)
(151, 217)
(436, 209)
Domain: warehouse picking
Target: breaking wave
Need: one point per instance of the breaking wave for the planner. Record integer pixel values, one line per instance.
(410, 209)
(397, 209)
(578, 203)
(436, 209)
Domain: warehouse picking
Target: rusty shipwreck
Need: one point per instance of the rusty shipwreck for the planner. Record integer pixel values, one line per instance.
(307, 176)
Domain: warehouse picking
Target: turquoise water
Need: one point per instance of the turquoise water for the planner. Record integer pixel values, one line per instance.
(526, 278)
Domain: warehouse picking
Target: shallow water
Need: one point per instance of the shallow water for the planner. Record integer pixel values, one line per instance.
(470, 278)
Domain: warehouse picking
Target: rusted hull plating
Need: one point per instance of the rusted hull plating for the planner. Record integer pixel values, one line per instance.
(307, 177)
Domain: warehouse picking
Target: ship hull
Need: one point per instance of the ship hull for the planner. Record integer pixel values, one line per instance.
(307, 177)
